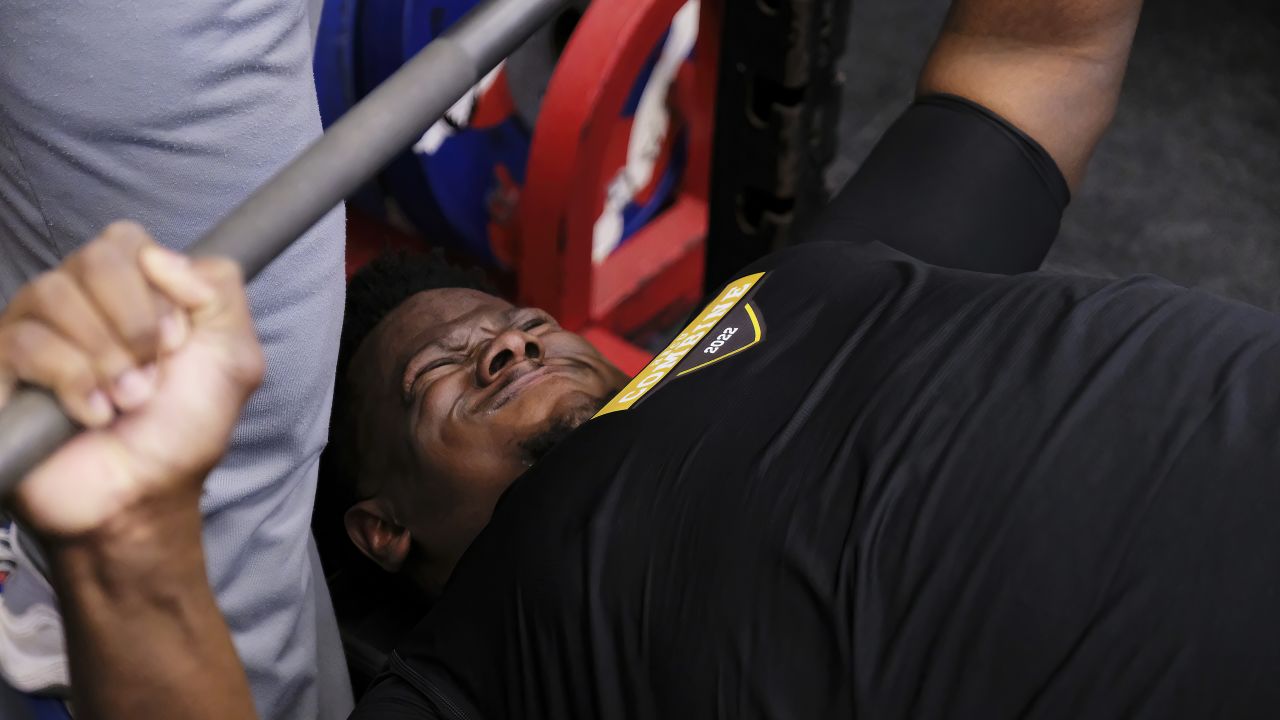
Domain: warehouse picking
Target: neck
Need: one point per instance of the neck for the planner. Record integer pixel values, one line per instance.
(429, 574)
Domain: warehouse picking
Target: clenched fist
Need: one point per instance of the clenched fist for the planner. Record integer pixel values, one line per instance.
(153, 353)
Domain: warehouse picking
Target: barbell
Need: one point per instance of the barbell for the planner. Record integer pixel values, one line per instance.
(391, 118)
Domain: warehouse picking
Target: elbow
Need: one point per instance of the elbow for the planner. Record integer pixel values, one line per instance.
(1064, 97)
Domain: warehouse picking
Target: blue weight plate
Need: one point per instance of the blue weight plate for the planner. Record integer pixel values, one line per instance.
(464, 172)
(334, 60)
(464, 177)
(446, 194)
(379, 53)
(336, 87)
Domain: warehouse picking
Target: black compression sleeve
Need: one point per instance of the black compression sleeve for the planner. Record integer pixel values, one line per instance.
(955, 185)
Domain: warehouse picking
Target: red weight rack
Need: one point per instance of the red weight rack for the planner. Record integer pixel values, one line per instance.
(658, 274)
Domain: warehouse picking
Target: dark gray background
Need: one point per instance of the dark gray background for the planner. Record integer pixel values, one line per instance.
(1186, 184)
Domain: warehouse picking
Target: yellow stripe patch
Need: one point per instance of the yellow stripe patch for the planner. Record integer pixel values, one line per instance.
(684, 343)
(755, 326)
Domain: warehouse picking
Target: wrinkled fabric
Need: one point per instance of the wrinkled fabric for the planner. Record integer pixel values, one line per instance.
(925, 493)
(170, 114)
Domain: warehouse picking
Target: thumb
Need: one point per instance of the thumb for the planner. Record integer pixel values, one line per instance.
(173, 274)
(211, 292)
(206, 288)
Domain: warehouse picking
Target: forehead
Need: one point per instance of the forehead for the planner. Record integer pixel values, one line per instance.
(434, 308)
(423, 318)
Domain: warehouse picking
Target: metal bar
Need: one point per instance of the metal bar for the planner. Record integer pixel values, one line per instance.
(389, 120)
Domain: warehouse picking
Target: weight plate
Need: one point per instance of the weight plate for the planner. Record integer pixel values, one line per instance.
(336, 84)
(447, 186)
(610, 157)
(462, 183)
(385, 30)
(644, 156)
(334, 60)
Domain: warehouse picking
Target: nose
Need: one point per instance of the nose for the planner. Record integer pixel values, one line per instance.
(508, 348)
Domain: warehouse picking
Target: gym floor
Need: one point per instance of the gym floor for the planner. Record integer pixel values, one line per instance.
(1187, 183)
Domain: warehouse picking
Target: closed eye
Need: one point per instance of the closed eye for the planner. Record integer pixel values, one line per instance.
(534, 323)
(437, 364)
(427, 368)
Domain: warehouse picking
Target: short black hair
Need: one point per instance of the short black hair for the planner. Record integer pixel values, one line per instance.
(383, 285)
(373, 293)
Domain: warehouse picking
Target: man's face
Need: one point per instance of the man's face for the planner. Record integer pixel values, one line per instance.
(458, 393)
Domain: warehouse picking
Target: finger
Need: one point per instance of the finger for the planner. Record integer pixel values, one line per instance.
(212, 291)
(228, 315)
(227, 300)
(173, 275)
(108, 269)
(36, 354)
(55, 299)
(175, 327)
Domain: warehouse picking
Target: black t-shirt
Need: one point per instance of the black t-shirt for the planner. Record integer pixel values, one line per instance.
(862, 486)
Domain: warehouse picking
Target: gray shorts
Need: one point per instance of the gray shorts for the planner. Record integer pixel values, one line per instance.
(170, 114)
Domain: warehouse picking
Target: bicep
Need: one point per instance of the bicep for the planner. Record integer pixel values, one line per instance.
(1062, 95)
(955, 185)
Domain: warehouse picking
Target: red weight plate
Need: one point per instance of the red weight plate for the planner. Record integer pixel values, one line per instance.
(575, 154)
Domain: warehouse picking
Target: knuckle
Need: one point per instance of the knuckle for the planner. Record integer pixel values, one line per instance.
(112, 361)
(126, 232)
(36, 354)
(141, 337)
(76, 374)
(108, 357)
(22, 300)
(96, 340)
(100, 254)
(49, 289)
(23, 340)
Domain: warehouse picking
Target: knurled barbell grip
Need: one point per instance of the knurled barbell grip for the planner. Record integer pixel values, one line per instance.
(393, 117)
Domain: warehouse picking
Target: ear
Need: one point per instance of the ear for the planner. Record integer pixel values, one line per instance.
(377, 536)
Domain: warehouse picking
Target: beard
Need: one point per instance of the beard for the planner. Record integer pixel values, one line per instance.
(560, 427)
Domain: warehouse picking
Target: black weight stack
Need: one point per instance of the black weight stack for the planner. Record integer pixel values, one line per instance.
(777, 119)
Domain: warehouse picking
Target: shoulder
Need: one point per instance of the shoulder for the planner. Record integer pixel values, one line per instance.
(835, 273)
(833, 254)
(392, 697)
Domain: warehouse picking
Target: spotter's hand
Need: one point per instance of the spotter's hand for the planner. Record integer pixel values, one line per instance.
(153, 354)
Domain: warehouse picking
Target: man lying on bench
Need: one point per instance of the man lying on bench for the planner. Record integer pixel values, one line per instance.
(857, 484)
